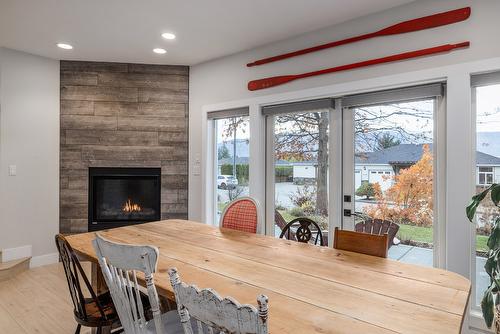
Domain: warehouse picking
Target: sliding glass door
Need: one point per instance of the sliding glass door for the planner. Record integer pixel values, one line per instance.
(298, 163)
(486, 102)
(356, 159)
(389, 173)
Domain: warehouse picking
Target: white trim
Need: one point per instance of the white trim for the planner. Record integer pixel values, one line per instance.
(270, 175)
(257, 167)
(10, 254)
(335, 198)
(439, 191)
(43, 260)
(348, 166)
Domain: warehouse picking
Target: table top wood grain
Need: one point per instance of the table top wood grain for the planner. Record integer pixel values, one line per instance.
(311, 289)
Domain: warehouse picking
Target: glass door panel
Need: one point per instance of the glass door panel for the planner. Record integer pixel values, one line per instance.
(300, 156)
(391, 173)
(232, 153)
(487, 172)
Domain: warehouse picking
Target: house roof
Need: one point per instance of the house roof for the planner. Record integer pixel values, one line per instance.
(407, 154)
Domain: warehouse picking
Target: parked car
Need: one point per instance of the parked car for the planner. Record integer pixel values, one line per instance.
(226, 182)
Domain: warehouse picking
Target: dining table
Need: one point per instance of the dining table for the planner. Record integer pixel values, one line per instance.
(311, 289)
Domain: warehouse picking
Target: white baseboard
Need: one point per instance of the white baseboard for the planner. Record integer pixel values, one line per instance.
(42, 260)
(10, 254)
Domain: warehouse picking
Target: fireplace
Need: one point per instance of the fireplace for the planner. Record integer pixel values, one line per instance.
(123, 196)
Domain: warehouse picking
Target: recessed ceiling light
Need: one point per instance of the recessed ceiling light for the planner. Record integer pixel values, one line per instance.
(159, 51)
(168, 35)
(64, 46)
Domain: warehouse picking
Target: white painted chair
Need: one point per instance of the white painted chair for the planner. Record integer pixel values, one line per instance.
(119, 264)
(242, 214)
(212, 314)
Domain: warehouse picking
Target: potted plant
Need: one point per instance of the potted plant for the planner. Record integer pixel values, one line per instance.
(490, 304)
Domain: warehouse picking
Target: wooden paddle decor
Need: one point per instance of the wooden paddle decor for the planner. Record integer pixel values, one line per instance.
(422, 23)
(279, 80)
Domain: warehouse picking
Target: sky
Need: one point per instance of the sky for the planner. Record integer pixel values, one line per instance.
(488, 108)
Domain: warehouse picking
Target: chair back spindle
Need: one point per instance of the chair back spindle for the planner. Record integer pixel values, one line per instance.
(74, 275)
(215, 314)
(120, 264)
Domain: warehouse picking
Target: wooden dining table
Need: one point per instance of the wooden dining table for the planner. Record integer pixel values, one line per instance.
(311, 289)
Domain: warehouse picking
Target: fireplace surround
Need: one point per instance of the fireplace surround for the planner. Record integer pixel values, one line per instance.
(123, 196)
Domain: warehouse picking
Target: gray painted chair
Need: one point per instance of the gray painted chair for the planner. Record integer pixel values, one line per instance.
(206, 311)
(119, 264)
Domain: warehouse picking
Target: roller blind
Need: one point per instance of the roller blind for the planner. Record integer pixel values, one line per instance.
(394, 95)
(228, 113)
(485, 79)
(297, 107)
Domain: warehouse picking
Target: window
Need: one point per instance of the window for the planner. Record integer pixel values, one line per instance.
(232, 154)
(485, 175)
(486, 98)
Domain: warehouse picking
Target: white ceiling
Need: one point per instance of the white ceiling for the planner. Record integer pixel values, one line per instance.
(128, 30)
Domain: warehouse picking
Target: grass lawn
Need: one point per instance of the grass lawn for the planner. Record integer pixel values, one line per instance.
(424, 234)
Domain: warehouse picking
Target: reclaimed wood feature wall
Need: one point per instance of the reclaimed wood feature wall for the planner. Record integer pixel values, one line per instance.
(122, 115)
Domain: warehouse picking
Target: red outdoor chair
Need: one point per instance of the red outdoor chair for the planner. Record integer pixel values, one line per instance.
(242, 215)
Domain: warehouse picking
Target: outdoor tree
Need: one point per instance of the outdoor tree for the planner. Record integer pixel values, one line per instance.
(304, 136)
(386, 140)
(368, 190)
(223, 153)
(410, 199)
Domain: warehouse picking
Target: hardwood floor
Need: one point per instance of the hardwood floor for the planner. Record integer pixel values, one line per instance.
(37, 301)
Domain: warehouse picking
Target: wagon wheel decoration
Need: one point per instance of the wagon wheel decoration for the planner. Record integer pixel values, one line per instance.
(303, 232)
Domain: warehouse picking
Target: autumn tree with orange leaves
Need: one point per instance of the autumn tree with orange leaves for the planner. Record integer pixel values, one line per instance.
(410, 199)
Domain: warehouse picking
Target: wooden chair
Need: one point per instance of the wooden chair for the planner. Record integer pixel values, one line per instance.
(378, 227)
(364, 243)
(119, 264)
(302, 231)
(242, 215)
(212, 314)
(281, 223)
(95, 312)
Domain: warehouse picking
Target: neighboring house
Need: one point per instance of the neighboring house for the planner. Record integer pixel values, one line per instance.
(487, 169)
(381, 166)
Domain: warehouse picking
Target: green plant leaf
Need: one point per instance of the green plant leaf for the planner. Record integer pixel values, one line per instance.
(476, 200)
(494, 238)
(487, 306)
(490, 265)
(495, 193)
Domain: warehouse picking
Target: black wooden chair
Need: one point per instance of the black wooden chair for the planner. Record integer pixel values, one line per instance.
(303, 230)
(97, 311)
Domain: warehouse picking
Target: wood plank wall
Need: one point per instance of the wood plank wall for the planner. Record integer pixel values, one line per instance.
(122, 115)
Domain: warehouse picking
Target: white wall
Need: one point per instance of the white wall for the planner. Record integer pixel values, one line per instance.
(29, 139)
(225, 79)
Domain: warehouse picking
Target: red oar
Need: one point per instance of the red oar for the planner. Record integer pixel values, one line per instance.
(422, 23)
(279, 80)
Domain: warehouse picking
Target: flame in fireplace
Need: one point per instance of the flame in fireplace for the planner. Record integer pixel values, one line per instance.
(131, 207)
